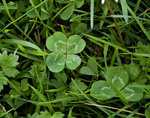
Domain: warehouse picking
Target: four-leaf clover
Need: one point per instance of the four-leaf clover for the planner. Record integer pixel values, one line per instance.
(64, 51)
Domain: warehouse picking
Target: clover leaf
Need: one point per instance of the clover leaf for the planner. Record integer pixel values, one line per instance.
(118, 76)
(43, 12)
(64, 51)
(67, 13)
(132, 93)
(91, 68)
(101, 90)
(133, 70)
(57, 42)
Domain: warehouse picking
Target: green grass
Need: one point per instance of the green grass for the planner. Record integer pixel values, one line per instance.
(110, 81)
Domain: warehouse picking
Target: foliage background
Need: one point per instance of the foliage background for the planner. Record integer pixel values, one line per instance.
(29, 89)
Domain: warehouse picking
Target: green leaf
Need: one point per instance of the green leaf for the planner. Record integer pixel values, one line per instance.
(124, 9)
(61, 80)
(79, 3)
(91, 68)
(133, 71)
(87, 71)
(8, 60)
(104, 14)
(56, 61)
(142, 48)
(31, 14)
(78, 27)
(8, 64)
(65, 15)
(73, 61)
(118, 76)
(46, 114)
(10, 72)
(132, 93)
(73, 88)
(44, 14)
(37, 68)
(3, 81)
(24, 85)
(43, 114)
(58, 115)
(64, 51)
(75, 44)
(147, 113)
(57, 42)
(63, 95)
(92, 64)
(101, 91)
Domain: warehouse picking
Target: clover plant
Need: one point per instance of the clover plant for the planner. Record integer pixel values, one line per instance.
(101, 91)
(90, 68)
(133, 70)
(42, 11)
(66, 14)
(119, 78)
(64, 51)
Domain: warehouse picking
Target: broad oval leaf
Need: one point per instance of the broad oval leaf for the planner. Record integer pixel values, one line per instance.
(101, 91)
(92, 64)
(91, 68)
(57, 42)
(147, 112)
(133, 71)
(31, 14)
(75, 44)
(79, 3)
(132, 93)
(65, 15)
(118, 76)
(73, 61)
(56, 62)
(78, 27)
(81, 84)
(44, 14)
(87, 71)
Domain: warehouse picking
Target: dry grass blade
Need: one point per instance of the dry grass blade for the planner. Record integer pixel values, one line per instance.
(114, 108)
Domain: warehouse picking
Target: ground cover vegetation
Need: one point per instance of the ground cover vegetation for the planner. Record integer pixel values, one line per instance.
(75, 59)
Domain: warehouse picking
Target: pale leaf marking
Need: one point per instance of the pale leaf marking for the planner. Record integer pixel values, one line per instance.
(107, 96)
(128, 97)
(56, 57)
(131, 90)
(59, 64)
(114, 79)
(105, 88)
(61, 42)
(121, 81)
(69, 61)
(55, 45)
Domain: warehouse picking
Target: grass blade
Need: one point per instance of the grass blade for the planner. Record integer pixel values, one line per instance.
(92, 14)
